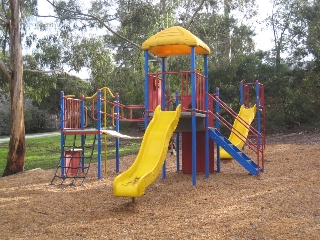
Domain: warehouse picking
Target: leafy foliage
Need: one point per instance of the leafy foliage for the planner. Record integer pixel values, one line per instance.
(105, 38)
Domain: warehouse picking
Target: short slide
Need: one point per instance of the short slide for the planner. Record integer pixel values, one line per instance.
(240, 132)
(151, 156)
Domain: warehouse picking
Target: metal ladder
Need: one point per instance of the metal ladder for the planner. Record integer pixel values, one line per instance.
(74, 162)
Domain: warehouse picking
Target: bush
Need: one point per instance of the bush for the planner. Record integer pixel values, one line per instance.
(35, 120)
(4, 122)
(4, 115)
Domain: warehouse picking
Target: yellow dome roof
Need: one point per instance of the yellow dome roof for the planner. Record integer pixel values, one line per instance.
(174, 41)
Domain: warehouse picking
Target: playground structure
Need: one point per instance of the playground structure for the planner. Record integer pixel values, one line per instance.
(197, 119)
(77, 153)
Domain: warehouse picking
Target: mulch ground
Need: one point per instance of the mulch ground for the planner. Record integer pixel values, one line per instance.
(282, 203)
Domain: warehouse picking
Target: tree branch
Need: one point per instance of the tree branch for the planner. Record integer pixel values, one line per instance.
(96, 19)
(75, 18)
(5, 70)
(42, 71)
(4, 10)
(100, 21)
(194, 14)
(8, 74)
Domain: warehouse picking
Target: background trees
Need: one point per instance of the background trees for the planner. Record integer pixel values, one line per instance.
(104, 38)
(291, 92)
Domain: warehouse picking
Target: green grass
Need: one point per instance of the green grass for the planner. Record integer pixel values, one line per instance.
(44, 152)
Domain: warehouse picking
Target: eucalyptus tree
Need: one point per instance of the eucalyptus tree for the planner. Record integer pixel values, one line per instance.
(292, 91)
(225, 27)
(288, 27)
(310, 12)
(119, 22)
(117, 28)
(71, 85)
(17, 25)
(155, 17)
(13, 27)
(11, 32)
(87, 32)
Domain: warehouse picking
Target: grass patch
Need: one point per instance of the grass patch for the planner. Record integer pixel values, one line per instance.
(44, 152)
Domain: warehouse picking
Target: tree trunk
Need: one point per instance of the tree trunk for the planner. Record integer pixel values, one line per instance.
(227, 10)
(17, 145)
(278, 55)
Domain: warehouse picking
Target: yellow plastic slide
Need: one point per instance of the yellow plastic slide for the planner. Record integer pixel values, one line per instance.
(151, 156)
(246, 114)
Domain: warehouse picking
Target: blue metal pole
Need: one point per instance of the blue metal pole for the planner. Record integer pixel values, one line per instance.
(82, 135)
(218, 127)
(99, 133)
(258, 111)
(207, 115)
(193, 116)
(164, 174)
(163, 102)
(62, 161)
(177, 138)
(163, 85)
(146, 89)
(117, 112)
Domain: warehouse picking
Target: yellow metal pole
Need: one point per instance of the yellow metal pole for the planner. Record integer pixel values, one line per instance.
(105, 92)
(105, 127)
(105, 154)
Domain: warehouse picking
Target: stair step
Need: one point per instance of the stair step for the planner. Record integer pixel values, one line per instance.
(235, 152)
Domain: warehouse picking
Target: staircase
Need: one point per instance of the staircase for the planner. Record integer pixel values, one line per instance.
(236, 153)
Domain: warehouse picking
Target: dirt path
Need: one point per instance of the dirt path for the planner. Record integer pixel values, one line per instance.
(283, 203)
(35, 135)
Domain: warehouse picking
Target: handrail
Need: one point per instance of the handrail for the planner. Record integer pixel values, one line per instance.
(254, 147)
(234, 114)
(237, 133)
(105, 89)
(69, 96)
(86, 116)
(185, 82)
(131, 108)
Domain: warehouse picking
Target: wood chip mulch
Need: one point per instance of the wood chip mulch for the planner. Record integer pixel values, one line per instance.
(282, 203)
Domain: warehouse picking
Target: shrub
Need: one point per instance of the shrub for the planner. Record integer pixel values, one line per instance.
(35, 120)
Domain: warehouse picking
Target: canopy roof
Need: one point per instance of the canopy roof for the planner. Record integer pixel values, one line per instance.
(174, 41)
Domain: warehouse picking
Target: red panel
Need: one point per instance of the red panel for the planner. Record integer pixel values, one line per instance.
(154, 92)
(261, 94)
(187, 153)
(211, 108)
(72, 160)
(186, 102)
(246, 96)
